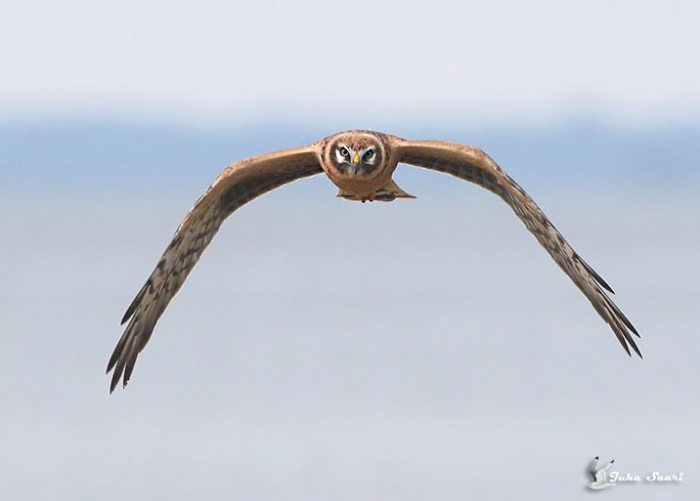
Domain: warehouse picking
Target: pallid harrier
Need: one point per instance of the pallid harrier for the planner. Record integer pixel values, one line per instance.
(360, 164)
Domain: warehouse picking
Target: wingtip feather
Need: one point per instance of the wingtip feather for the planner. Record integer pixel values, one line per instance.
(135, 303)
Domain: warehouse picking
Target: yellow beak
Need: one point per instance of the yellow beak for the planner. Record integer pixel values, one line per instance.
(356, 159)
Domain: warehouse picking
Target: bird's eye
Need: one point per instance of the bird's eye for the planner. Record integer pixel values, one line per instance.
(344, 152)
(368, 155)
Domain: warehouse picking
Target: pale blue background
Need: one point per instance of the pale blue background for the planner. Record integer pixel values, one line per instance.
(323, 349)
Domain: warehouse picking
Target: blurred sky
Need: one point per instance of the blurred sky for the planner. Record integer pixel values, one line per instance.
(626, 62)
(328, 350)
(324, 349)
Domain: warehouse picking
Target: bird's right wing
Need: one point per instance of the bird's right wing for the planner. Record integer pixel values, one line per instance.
(238, 184)
(472, 164)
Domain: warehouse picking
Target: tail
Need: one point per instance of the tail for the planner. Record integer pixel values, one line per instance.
(387, 193)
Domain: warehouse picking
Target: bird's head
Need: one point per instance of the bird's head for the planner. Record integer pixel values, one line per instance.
(356, 153)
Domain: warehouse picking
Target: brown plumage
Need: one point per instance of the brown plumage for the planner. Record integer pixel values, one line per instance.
(360, 164)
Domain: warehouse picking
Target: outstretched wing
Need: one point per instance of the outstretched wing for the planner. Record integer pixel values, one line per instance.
(238, 184)
(472, 164)
(593, 468)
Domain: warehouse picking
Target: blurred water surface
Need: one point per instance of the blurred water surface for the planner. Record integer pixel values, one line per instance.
(324, 349)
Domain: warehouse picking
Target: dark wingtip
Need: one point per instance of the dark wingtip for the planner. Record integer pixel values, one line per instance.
(113, 384)
(116, 364)
(131, 309)
(636, 350)
(594, 274)
(627, 348)
(634, 331)
(634, 347)
(115, 381)
(115, 355)
(626, 341)
(134, 304)
(110, 365)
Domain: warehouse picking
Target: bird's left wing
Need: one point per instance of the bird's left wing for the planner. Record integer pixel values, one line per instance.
(238, 184)
(593, 468)
(472, 164)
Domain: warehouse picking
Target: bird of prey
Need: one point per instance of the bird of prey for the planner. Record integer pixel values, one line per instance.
(599, 475)
(360, 163)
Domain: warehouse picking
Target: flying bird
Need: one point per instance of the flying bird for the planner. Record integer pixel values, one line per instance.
(361, 164)
(599, 475)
